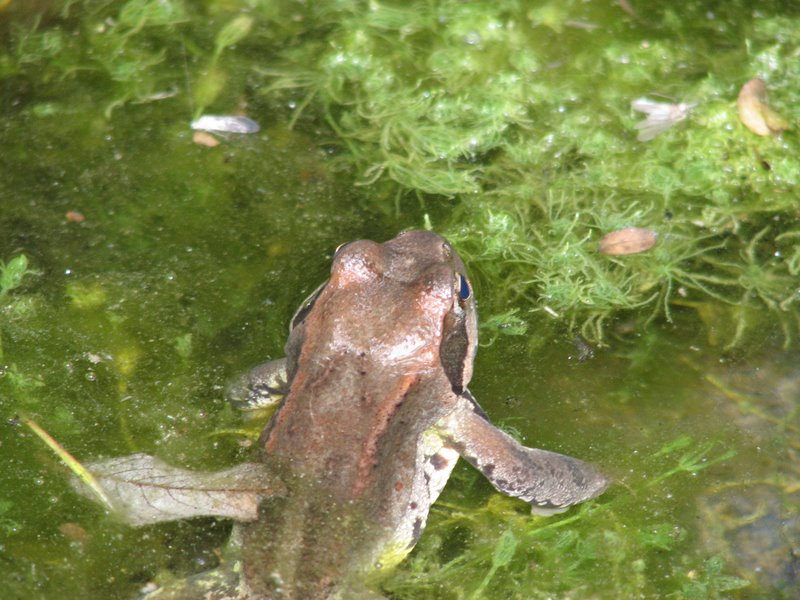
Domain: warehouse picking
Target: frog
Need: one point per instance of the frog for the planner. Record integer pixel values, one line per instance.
(372, 413)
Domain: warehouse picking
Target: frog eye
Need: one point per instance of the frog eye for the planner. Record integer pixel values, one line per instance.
(464, 291)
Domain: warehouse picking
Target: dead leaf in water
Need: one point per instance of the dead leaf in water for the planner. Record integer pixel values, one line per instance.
(145, 490)
(754, 111)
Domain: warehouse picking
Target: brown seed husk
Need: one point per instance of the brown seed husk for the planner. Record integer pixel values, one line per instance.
(630, 240)
(205, 139)
(74, 216)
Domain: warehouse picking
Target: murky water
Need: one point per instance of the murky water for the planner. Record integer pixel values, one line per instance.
(162, 268)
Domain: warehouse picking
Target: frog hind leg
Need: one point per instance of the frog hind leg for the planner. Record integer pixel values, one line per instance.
(548, 481)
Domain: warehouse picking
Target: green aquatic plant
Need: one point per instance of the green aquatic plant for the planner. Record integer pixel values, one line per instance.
(499, 550)
(503, 553)
(13, 273)
(520, 112)
(118, 44)
(558, 271)
(504, 323)
(710, 582)
(183, 345)
(22, 383)
(212, 81)
(763, 279)
(689, 462)
(7, 525)
(458, 100)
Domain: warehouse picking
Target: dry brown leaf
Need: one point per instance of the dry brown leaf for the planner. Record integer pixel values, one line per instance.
(144, 490)
(754, 111)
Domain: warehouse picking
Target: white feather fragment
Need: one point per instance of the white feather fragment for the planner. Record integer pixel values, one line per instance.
(227, 123)
(660, 116)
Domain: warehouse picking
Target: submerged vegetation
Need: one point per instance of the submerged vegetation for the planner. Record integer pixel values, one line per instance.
(520, 111)
(506, 543)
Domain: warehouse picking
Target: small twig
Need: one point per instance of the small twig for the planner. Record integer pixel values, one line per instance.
(70, 461)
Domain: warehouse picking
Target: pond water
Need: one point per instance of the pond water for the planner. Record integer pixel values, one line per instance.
(160, 268)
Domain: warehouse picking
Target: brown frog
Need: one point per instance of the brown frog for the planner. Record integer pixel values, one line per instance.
(374, 412)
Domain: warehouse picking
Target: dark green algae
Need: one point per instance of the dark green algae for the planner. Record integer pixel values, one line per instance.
(505, 126)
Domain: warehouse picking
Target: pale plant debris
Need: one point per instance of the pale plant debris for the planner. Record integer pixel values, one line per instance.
(226, 124)
(660, 116)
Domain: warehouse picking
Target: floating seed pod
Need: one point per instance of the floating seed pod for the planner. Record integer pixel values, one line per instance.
(630, 240)
(226, 123)
(754, 111)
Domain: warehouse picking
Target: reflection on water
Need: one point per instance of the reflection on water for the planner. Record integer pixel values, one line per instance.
(752, 516)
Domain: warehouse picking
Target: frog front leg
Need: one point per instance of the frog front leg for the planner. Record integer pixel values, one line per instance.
(548, 481)
(262, 387)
